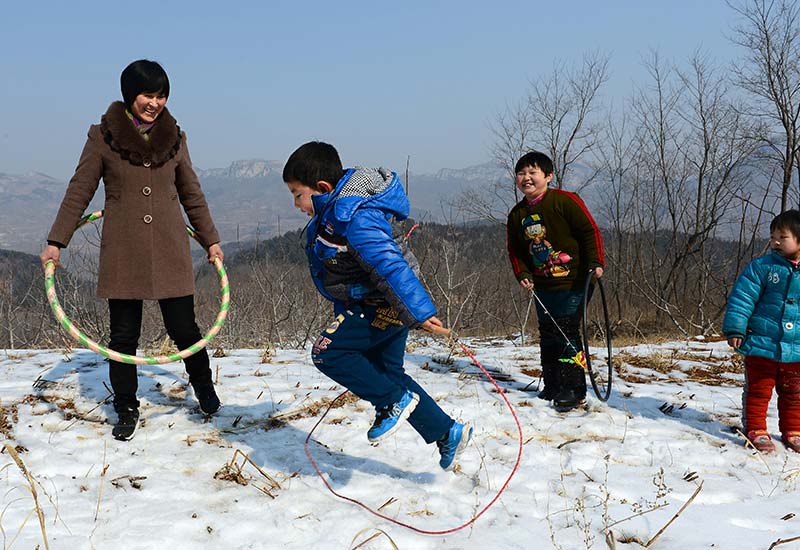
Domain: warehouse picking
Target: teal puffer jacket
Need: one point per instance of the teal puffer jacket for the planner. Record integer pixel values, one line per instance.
(764, 309)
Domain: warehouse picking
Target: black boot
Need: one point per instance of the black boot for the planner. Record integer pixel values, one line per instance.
(127, 419)
(207, 397)
(573, 388)
(568, 399)
(550, 380)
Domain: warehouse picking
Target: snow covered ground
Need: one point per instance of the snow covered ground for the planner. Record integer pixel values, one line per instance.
(241, 480)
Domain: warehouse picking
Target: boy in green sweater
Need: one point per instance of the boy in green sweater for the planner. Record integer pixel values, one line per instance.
(553, 244)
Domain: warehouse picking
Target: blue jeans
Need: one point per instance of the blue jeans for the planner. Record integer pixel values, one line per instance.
(363, 351)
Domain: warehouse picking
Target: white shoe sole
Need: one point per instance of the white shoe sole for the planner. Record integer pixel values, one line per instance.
(466, 437)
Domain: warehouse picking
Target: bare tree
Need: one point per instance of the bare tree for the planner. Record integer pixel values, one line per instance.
(672, 193)
(512, 131)
(561, 105)
(770, 74)
(719, 146)
(616, 159)
(556, 117)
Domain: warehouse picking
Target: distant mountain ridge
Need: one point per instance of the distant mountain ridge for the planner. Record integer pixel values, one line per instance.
(247, 198)
(488, 172)
(243, 169)
(27, 184)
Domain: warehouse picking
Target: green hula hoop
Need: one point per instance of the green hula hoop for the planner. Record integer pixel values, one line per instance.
(75, 332)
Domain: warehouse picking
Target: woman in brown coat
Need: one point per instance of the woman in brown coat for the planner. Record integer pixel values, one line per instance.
(141, 155)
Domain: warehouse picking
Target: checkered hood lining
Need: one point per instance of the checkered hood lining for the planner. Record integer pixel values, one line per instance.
(367, 182)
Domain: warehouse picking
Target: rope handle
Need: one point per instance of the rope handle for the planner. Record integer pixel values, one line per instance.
(443, 331)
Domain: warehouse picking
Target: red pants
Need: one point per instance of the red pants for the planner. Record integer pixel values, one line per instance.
(761, 376)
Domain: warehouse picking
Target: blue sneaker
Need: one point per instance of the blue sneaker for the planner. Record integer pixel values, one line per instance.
(388, 419)
(456, 441)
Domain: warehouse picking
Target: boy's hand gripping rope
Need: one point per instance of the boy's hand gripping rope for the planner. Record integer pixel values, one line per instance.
(441, 331)
(75, 332)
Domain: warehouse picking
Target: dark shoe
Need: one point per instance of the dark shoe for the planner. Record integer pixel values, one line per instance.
(387, 419)
(127, 418)
(551, 379)
(569, 399)
(456, 440)
(207, 397)
(548, 393)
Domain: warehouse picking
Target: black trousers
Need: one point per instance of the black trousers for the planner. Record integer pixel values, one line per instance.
(126, 327)
(565, 313)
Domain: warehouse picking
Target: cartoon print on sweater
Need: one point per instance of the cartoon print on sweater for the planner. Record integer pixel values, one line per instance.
(546, 261)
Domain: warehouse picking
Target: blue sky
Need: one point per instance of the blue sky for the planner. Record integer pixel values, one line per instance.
(380, 80)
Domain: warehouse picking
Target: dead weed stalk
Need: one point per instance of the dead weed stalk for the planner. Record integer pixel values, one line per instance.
(32, 487)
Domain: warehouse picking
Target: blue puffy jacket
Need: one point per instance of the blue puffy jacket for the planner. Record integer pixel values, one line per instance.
(351, 252)
(764, 309)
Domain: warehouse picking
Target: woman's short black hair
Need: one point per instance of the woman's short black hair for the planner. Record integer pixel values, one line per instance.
(141, 77)
(313, 162)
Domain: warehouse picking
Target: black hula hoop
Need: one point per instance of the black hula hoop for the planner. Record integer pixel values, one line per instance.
(600, 374)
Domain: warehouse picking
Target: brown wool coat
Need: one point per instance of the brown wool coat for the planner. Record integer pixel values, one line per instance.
(144, 251)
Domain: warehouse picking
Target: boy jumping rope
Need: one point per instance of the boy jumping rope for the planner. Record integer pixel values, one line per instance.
(553, 243)
(356, 264)
(762, 323)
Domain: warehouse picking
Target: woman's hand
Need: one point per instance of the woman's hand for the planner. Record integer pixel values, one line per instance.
(50, 253)
(526, 284)
(215, 251)
(734, 342)
(598, 272)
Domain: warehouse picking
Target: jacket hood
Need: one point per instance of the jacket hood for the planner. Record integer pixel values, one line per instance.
(374, 187)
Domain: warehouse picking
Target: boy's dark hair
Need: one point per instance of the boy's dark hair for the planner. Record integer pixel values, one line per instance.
(143, 76)
(536, 159)
(312, 162)
(789, 220)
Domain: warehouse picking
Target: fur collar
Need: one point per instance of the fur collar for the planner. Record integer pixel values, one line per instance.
(123, 137)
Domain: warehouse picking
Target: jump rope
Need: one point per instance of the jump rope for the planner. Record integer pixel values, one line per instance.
(447, 333)
(450, 335)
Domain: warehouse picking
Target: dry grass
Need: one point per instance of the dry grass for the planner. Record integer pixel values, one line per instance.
(378, 533)
(268, 354)
(32, 488)
(234, 471)
(657, 362)
(8, 417)
(312, 409)
(709, 370)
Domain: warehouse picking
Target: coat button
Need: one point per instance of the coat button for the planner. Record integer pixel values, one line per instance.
(789, 326)
(148, 218)
(146, 191)
(146, 163)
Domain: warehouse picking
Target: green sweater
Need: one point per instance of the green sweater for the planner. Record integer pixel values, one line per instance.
(554, 242)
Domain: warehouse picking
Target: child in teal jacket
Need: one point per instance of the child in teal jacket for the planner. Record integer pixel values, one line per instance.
(762, 323)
